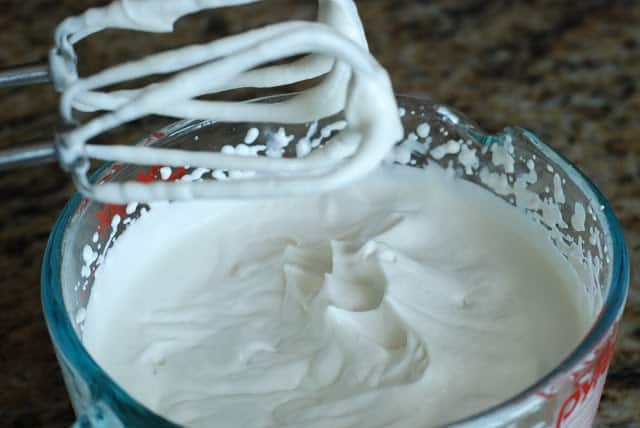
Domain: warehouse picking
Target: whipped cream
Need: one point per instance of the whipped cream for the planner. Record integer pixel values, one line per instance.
(409, 298)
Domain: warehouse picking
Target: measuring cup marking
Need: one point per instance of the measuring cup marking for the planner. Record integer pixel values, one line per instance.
(581, 405)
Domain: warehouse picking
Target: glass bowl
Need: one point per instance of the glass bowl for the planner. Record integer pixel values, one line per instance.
(515, 165)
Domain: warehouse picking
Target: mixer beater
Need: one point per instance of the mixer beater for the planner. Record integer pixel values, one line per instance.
(335, 49)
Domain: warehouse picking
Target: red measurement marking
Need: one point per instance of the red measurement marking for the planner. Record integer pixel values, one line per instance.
(149, 176)
(153, 137)
(105, 217)
(83, 205)
(153, 174)
(177, 173)
(145, 177)
(586, 378)
(114, 168)
(546, 395)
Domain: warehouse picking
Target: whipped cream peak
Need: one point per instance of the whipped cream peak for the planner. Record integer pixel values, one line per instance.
(356, 281)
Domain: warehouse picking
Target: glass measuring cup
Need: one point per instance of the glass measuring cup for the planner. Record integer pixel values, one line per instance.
(515, 165)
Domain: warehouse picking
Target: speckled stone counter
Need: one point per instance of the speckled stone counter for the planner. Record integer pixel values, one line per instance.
(569, 70)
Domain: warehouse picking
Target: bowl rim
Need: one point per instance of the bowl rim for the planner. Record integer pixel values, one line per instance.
(69, 347)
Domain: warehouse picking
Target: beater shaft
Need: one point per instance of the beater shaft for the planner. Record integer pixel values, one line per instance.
(24, 75)
(36, 153)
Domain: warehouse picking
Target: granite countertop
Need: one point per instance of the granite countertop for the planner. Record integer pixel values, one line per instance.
(569, 70)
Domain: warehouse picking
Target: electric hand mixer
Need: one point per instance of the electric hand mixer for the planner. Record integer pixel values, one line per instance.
(336, 49)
